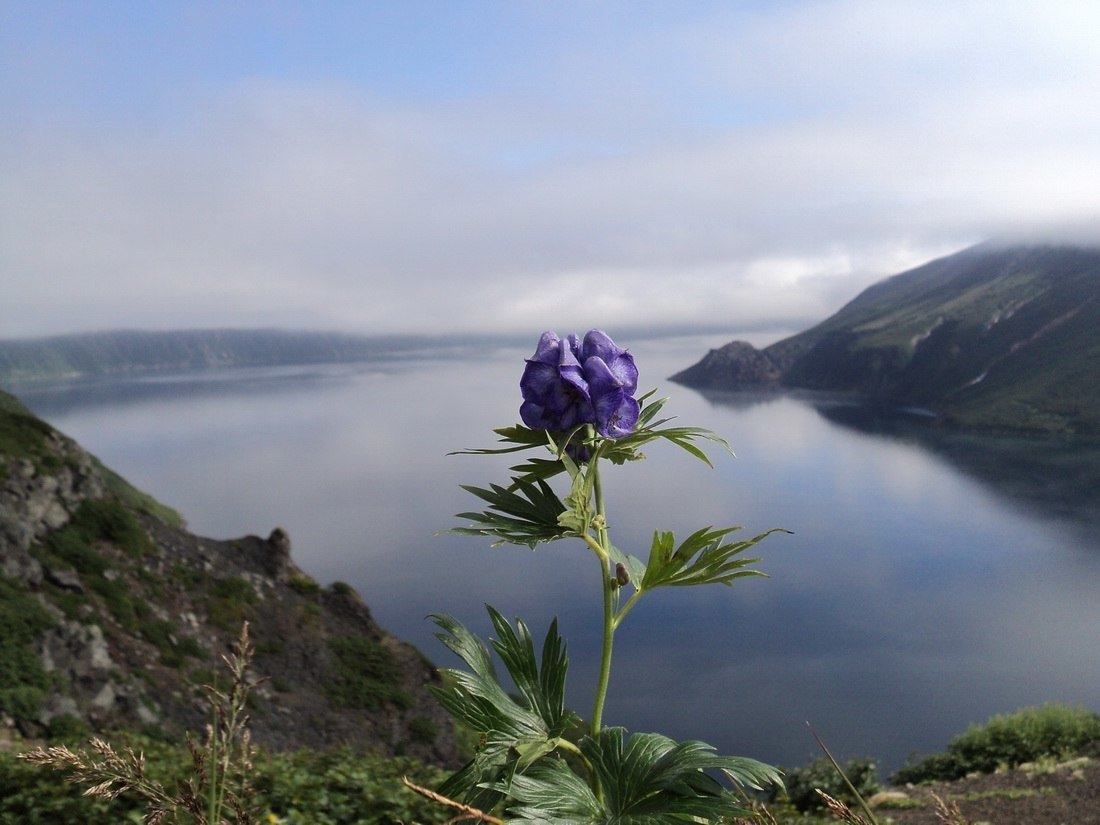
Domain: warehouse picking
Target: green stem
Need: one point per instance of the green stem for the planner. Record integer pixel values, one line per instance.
(626, 608)
(608, 600)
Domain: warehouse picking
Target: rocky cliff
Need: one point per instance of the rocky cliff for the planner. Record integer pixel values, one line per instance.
(113, 616)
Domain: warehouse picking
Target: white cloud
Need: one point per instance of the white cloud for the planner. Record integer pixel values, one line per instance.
(761, 164)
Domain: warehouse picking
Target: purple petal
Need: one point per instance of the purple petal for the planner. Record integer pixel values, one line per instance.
(597, 344)
(548, 348)
(616, 414)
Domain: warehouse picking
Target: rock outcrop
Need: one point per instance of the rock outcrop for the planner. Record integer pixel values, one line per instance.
(116, 617)
(736, 366)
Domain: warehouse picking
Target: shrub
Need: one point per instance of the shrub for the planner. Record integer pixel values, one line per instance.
(803, 783)
(109, 521)
(342, 588)
(1008, 740)
(342, 787)
(304, 585)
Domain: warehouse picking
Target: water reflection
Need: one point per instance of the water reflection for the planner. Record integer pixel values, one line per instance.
(914, 598)
(1055, 478)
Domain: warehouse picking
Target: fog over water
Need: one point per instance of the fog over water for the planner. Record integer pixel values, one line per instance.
(929, 583)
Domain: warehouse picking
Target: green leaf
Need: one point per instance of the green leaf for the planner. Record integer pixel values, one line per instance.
(518, 438)
(704, 557)
(645, 779)
(526, 513)
(515, 732)
(634, 566)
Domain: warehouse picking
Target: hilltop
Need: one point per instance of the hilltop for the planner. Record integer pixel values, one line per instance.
(993, 337)
(112, 615)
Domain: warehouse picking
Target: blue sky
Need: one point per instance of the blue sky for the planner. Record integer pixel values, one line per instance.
(476, 166)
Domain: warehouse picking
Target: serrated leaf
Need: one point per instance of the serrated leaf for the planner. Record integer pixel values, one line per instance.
(525, 514)
(514, 733)
(704, 557)
(517, 437)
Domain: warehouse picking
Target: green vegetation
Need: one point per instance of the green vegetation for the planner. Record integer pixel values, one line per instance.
(230, 599)
(991, 339)
(304, 586)
(174, 648)
(75, 546)
(95, 521)
(364, 675)
(223, 779)
(22, 435)
(22, 677)
(803, 783)
(135, 498)
(307, 787)
(1007, 740)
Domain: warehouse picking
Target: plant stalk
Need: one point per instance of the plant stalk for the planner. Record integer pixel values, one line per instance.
(608, 600)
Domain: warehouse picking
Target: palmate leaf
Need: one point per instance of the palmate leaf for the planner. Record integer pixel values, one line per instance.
(514, 732)
(526, 513)
(646, 779)
(704, 557)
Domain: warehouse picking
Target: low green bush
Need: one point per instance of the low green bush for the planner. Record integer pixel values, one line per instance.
(1007, 740)
(304, 585)
(803, 783)
(345, 788)
(108, 520)
(307, 787)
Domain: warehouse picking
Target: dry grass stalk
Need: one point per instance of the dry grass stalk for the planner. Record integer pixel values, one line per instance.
(467, 812)
(221, 767)
(948, 814)
(840, 810)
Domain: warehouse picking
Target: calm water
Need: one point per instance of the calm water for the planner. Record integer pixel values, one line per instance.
(930, 582)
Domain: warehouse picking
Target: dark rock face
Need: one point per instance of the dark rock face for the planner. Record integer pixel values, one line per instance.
(140, 612)
(737, 365)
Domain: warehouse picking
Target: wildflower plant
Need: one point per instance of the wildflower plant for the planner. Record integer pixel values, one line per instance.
(537, 761)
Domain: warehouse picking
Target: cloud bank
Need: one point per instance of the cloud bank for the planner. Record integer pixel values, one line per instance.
(630, 165)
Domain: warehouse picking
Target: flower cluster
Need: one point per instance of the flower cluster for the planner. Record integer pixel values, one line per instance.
(569, 383)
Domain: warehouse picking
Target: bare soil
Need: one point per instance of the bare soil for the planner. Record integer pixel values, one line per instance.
(1048, 794)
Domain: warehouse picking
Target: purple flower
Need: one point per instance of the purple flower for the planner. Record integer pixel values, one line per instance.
(568, 383)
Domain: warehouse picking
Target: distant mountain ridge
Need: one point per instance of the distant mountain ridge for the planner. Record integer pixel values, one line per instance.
(993, 337)
(146, 351)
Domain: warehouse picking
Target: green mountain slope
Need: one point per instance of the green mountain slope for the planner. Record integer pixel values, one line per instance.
(992, 337)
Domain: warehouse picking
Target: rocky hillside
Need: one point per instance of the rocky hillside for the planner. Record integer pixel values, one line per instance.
(112, 616)
(1002, 337)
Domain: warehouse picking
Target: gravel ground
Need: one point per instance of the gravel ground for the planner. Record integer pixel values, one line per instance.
(1065, 794)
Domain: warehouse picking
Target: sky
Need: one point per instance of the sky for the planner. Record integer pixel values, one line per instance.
(499, 167)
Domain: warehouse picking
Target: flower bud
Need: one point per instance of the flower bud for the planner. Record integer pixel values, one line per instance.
(621, 574)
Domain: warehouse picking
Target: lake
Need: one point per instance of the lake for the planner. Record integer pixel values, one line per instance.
(931, 580)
